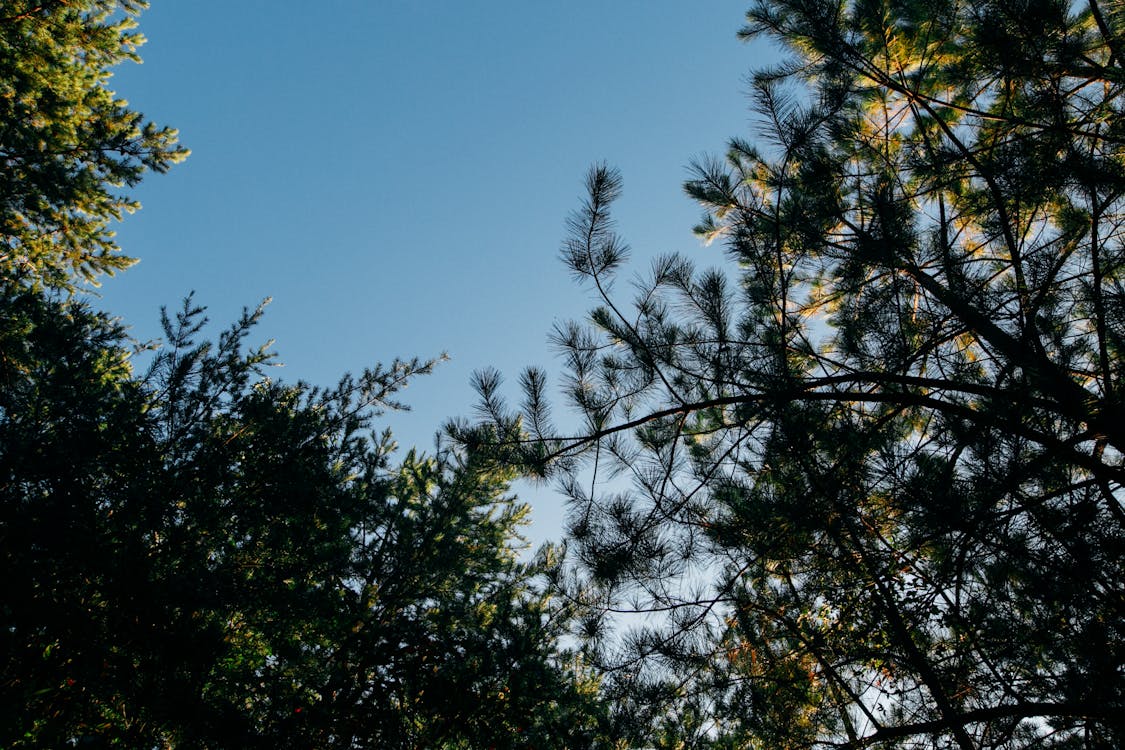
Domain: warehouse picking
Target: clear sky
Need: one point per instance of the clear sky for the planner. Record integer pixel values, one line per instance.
(396, 174)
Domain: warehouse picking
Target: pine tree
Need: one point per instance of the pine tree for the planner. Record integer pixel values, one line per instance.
(876, 463)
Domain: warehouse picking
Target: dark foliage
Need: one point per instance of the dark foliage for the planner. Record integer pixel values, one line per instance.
(207, 558)
(864, 486)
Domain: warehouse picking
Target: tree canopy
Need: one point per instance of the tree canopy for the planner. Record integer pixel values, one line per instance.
(202, 557)
(860, 487)
(863, 486)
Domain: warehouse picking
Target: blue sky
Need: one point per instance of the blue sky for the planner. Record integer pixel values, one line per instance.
(397, 174)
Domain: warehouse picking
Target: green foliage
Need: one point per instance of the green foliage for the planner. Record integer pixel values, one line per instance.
(203, 557)
(68, 144)
(876, 464)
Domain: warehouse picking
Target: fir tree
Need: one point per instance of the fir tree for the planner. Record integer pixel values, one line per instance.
(69, 146)
(205, 558)
(200, 556)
